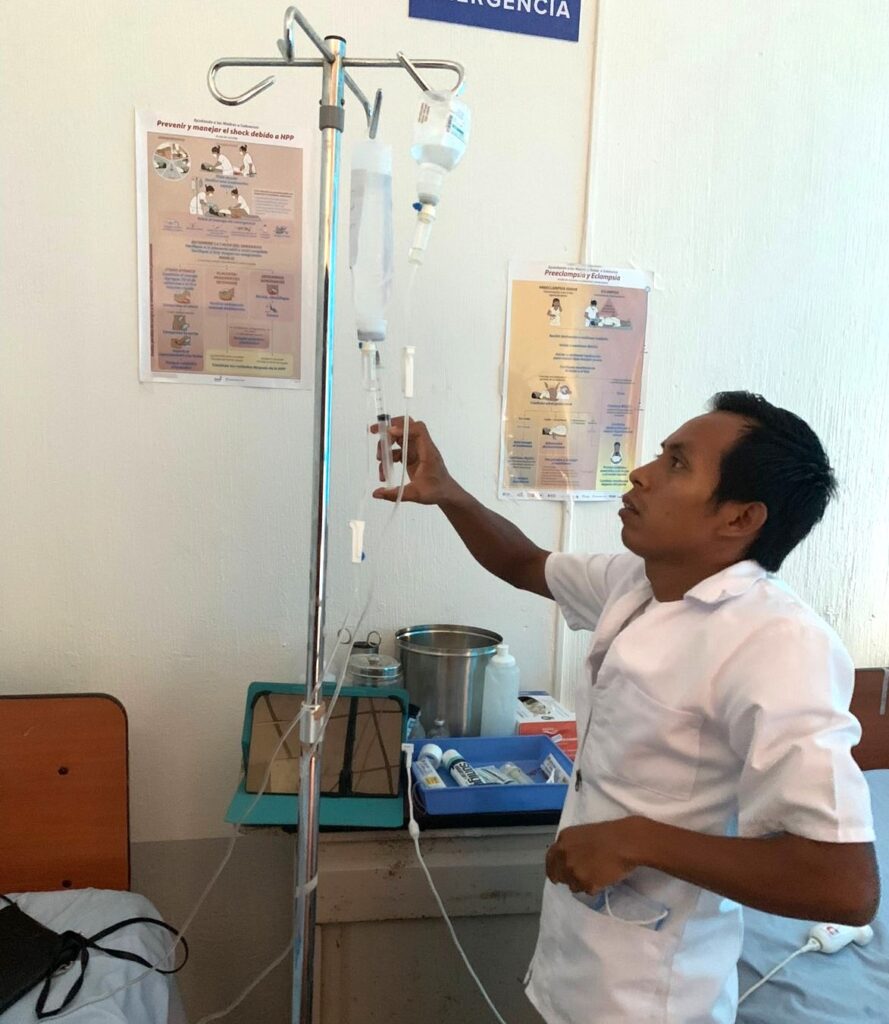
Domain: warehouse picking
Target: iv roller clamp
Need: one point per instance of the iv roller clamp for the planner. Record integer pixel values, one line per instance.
(335, 80)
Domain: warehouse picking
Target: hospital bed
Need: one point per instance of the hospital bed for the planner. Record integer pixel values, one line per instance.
(852, 985)
(64, 851)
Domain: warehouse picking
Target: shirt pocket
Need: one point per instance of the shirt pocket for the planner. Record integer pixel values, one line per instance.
(640, 741)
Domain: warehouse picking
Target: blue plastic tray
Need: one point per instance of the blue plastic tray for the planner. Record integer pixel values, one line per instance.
(528, 752)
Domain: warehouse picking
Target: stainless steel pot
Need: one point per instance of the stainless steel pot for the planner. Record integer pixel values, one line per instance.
(373, 670)
(444, 672)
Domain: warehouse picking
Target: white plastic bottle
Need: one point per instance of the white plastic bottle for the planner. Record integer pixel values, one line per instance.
(440, 137)
(460, 769)
(370, 238)
(501, 694)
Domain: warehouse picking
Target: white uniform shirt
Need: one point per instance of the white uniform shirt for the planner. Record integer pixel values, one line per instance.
(225, 165)
(248, 167)
(727, 710)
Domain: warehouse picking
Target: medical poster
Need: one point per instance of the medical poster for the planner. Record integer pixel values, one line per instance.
(224, 264)
(572, 380)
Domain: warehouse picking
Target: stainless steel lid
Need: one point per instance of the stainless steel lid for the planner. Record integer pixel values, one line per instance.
(375, 668)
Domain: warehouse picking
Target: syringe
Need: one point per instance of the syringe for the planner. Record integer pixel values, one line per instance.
(373, 384)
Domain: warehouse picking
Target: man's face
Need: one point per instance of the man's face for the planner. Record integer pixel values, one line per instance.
(668, 513)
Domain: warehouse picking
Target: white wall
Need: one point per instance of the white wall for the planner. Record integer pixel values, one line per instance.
(156, 536)
(741, 151)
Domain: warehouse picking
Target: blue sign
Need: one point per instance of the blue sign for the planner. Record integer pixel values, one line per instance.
(558, 19)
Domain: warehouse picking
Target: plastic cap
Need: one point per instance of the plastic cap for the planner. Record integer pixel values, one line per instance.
(503, 657)
(450, 757)
(432, 753)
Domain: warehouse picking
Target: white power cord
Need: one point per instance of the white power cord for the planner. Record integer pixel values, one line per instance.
(414, 832)
(809, 947)
(823, 938)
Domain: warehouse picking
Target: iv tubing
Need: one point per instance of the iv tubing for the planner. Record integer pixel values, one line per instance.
(165, 956)
(303, 886)
(170, 951)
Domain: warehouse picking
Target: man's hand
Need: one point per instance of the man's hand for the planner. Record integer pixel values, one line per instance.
(430, 481)
(589, 858)
(780, 874)
(494, 542)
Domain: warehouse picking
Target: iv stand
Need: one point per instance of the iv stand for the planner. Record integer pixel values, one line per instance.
(335, 78)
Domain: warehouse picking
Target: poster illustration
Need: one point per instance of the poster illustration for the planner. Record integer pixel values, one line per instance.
(572, 380)
(225, 289)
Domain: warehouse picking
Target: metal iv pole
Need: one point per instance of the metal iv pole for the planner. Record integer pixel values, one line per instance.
(335, 79)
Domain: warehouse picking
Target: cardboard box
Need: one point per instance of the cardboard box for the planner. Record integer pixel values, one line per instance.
(541, 714)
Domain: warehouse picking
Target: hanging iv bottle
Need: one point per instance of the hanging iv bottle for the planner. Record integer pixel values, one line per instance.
(440, 138)
(370, 241)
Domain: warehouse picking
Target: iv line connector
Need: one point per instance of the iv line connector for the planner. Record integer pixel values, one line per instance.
(310, 726)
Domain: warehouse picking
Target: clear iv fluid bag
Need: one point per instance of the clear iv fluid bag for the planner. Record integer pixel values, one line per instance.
(440, 138)
(371, 242)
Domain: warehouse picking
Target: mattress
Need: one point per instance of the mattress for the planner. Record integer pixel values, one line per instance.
(847, 987)
(152, 1000)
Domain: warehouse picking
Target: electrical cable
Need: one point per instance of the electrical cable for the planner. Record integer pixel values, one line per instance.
(810, 946)
(414, 832)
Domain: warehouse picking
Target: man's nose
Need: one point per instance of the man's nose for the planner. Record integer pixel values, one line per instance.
(639, 476)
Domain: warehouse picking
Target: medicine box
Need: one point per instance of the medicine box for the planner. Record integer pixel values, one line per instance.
(538, 713)
(528, 752)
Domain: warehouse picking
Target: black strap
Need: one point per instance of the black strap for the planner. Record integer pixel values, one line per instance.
(3, 896)
(75, 948)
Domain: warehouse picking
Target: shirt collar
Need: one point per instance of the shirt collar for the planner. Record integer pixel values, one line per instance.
(737, 579)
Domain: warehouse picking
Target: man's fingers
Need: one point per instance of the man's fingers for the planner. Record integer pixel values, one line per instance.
(554, 862)
(391, 493)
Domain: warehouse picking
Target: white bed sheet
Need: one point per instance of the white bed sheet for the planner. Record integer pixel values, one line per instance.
(153, 1000)
(848, 987)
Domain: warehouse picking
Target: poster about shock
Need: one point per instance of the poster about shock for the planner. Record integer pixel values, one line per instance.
(224, 290)
(572, 380)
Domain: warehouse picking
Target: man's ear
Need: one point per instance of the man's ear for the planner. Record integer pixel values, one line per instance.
(743, 520)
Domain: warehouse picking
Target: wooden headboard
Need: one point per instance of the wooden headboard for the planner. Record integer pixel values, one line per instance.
(870, 705)
(64, 803)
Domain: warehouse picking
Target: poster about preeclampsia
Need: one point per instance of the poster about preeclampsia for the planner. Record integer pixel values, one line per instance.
(572, 381)
(224, 261)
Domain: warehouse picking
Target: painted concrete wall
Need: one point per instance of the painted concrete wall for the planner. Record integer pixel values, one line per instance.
(740, 151)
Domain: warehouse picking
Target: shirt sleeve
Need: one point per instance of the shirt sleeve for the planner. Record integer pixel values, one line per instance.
(786, 696)
(580, 584)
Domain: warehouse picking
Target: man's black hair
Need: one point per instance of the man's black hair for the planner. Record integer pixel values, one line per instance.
(779, 461)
